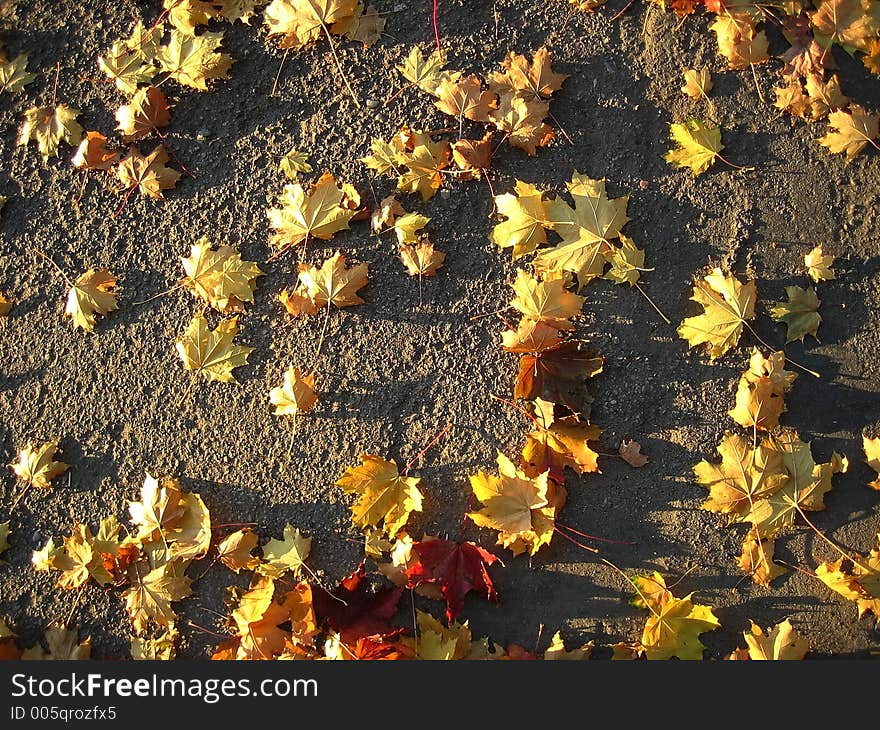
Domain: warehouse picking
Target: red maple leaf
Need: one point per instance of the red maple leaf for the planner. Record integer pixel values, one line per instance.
(458, 568)
(353, 611)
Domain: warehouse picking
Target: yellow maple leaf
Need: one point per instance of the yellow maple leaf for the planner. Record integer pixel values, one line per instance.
(798, 313)
(738, 40)
(421, 259)
(194, 60)
(697, 83)
(319, 212)
(556, 443)
(151, 592)
(437, 642)
(426, 72)
(745, 475)
(285, 555)
(727, 305)
(522, 120)
(185, 15)
(385, 498)
(871, 447)
(699, 144)
(14, 75)
(545, 300)
(147, 173)
(531, 79)
(756, 559)
(781, 643)
(130, 63)
(293, 163)
(234, 550)
(586, 229)
(212, 353)
(91, 295)
(804, 490)
(37, 466)
(464, 98)
(333, 283)
(172, 519)
(851, 24)
(761, 390)
(219, 276)
(525, 211)
(49, 126)
(627, 262)
(63, 645)
(297, 394)
(406, 227)
(79, 559)
(819, 265)
(856, 579)
(673, 629)
(423, 169)
(299, 22)
(520, 508)
(850, 131)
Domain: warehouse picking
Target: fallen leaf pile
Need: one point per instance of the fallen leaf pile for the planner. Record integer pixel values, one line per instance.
(765, 481)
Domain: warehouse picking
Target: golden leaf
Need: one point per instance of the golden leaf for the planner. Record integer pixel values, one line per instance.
(14, 75)
(297, 395)
(320, 212)
(819, 265)
(850, 131)
(385, 498)
(798, 314)
(147, 173)
(533, 79)
(49, 126)
(781, 643)
(421, 259)
(145, 112)
(525, 211)
(37, 466)
(727, 304)
(151, 593)
(213, 354)
(545, 300)
(219, 276)
(333, 282)
(673, 629)
(193, 60)
(698, 145)
(286, 555)
(91, 295)
(697, 83)
(520, 508)
(234, 550)
(745, 475)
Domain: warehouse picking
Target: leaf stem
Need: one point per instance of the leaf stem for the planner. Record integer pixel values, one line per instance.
(651, 302)
(57, 267)
(357, 101)
(278, 75)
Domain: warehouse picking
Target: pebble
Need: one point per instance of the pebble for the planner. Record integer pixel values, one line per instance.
(203, 134)
(372, 103)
